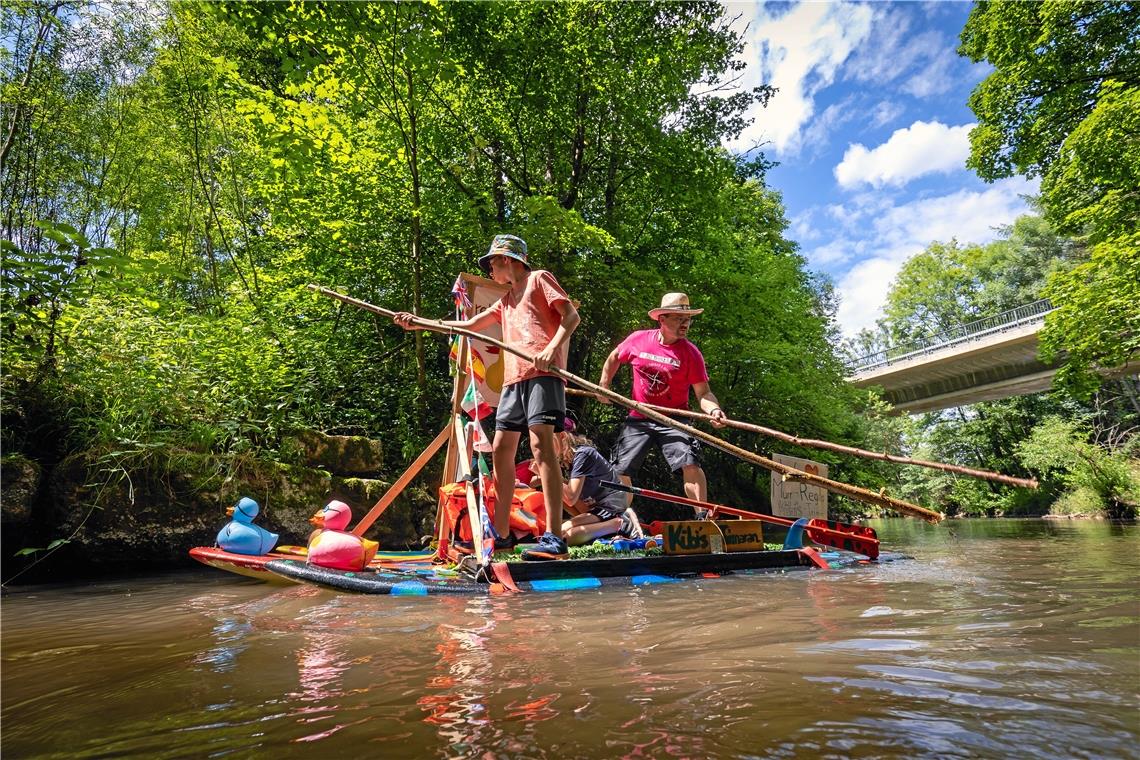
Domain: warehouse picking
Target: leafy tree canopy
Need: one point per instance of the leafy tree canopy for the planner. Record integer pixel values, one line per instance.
(1063, 103)
(178, 172)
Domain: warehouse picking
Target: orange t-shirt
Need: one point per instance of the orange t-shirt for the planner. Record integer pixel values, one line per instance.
(529, 324)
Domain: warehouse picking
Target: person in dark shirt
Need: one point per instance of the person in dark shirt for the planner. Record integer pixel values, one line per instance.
(598, 512)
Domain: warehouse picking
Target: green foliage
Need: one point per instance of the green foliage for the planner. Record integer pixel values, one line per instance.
(1051, 61)
(139, 375)
(934, 291)
(983, 436)
(177, 177)
(1063, 103)
(1092, 474)
(1097, 321)
(1091, 187)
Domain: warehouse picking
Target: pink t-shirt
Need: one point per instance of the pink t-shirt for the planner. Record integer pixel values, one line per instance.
(662, 374)
(529, 324)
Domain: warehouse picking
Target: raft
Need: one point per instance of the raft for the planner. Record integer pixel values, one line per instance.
(566, 575)
(252, 566)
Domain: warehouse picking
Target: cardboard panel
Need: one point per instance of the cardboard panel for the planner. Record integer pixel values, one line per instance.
(691, 537)
(794, 499)
(712, 537)
(483, 294)
(742, 535)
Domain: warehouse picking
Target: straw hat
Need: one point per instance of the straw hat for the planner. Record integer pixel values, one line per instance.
(674, 303)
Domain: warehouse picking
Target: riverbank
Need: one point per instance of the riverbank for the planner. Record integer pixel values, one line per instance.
(98, 512)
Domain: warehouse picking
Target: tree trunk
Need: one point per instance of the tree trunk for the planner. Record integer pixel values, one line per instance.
(18, 112)
(417, 239)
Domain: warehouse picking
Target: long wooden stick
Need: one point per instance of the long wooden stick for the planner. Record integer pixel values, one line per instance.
(789, 473)
(837, 447)
(402, 482)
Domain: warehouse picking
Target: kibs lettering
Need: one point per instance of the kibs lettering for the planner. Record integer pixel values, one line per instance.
(684, 537)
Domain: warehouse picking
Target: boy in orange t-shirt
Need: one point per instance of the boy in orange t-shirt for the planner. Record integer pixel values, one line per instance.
(538, 318)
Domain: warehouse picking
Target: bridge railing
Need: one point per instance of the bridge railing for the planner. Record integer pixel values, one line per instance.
(970, 331)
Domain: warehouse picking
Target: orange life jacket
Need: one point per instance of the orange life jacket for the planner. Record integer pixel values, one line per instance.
(528, 511)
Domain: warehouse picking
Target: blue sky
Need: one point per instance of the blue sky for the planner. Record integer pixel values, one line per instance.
(870, 126)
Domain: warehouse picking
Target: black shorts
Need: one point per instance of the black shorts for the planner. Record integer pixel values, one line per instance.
(538, 401)
(639, 435)
(610, 505)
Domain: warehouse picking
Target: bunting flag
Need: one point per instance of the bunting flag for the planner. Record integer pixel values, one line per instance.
(474, 407)
(479, 470)
(453, 355)
(478, 368)
(463, 308)
(463, 303)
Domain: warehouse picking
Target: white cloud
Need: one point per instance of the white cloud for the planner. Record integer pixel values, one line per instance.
(937, 76)
(799, 52)
(922, 148)
(862, 293)
(926, 62)
(890, 50)
(901, 231)
(833, 253)
(817, 134)
(802, 227)
(885, 112)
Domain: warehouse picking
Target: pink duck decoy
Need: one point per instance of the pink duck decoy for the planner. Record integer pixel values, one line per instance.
(331, 545)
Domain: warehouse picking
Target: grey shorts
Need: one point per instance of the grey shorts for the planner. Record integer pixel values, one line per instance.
(639, 435)
(538, 401)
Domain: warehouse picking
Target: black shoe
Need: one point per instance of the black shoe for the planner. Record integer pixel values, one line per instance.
(506, 544)
(548, 547)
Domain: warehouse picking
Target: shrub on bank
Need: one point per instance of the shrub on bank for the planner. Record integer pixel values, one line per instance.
(1098, 478)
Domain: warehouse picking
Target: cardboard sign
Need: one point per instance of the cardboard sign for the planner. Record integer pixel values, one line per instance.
(691, 537)
(795, 499)
(742, 535)
(712, 537)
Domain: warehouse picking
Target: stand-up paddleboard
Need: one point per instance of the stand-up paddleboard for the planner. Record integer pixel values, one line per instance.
(564, 575)
(254, 566)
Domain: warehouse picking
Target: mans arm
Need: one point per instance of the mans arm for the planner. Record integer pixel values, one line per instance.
(566, 327)
(609, 369)
(708, 403)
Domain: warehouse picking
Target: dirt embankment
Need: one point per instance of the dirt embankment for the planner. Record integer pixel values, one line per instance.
(113, 512)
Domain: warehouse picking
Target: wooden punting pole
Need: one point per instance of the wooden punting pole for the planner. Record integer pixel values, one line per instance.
(788, 473)
(837, 447)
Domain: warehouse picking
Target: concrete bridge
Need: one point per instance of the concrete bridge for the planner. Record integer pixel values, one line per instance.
(988, 359)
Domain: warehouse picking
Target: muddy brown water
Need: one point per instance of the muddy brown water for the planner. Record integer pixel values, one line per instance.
(999, 639)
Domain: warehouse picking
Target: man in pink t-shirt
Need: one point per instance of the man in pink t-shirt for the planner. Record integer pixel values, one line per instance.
(538, 318)
(665, 367)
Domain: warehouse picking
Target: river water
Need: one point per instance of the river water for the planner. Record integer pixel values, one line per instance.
(999, 639)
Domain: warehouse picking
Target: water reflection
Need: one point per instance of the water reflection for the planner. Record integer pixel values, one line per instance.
(231, 636)
(995, 642)
(458, 709)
